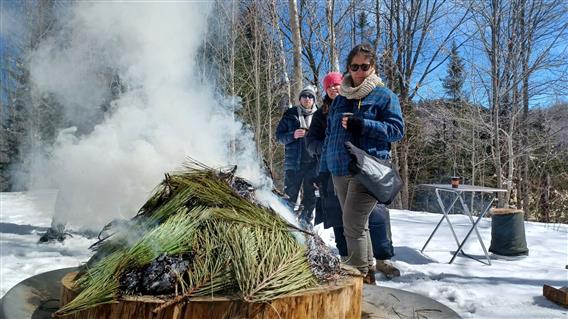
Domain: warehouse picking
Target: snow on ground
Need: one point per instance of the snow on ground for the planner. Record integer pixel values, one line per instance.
(23, 218)
(509, 288)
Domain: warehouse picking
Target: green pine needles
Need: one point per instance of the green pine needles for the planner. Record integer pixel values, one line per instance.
(205, 220)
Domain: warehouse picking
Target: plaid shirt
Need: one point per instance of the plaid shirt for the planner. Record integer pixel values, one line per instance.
(382, 125)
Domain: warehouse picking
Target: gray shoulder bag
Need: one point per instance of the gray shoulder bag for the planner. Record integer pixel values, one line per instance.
(380, 177)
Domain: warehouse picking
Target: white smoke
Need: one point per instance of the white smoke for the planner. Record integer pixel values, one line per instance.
(164, 116)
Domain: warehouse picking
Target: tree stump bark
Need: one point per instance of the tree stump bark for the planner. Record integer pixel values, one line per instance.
(341, 299)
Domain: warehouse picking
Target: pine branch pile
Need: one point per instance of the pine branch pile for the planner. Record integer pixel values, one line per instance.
(202, 233)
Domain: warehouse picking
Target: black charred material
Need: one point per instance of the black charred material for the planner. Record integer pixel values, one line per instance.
(158, 278)
(243, 188)
(54, 233)
(240, 185)
(324, 264)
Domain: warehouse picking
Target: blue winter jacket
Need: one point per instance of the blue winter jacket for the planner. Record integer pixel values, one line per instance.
(292, 147)
(382, 125)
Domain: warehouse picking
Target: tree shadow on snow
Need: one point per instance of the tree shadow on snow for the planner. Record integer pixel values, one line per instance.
(411, 256)
(493, 280)
(9, 228)
(545, 303)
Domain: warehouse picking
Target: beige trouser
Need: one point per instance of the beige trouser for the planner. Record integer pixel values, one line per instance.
(356, 204)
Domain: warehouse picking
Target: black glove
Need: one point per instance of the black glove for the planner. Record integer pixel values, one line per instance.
(355, 125)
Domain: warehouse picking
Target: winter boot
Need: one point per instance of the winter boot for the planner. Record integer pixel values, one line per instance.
(370, 277)
(387, 268)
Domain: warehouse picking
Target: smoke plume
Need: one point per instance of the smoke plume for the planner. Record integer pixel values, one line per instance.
(106, 163)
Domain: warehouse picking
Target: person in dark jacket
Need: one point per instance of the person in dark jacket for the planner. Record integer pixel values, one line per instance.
(300, 167)
(328, 209)
(367, 114)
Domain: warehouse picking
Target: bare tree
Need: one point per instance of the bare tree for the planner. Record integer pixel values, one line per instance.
(282, 53)
(412, 53)
(297, 44)
(333, 54)
(539, 20)
(514, 26)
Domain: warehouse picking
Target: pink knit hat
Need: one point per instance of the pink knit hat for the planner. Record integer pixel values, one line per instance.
(331, 79)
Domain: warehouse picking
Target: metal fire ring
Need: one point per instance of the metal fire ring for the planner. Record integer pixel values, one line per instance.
(38, 297)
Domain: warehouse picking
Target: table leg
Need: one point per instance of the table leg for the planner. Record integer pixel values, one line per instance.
(432, 234)
(474, 228)
(481, 215)
(445, 212)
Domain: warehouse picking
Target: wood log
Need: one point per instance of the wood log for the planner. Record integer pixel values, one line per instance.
(340, 299)
(558, 296)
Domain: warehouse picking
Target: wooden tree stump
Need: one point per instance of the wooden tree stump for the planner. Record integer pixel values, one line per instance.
(558, 296)
(341, 299)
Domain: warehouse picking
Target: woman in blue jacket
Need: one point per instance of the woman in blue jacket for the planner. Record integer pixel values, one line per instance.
(369, 115)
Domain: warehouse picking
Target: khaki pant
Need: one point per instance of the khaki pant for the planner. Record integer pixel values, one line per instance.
(356, 204)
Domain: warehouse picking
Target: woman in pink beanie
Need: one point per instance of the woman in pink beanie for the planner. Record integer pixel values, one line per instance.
(331, 84)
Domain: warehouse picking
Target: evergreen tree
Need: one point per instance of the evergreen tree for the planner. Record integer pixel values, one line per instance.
(455, 78)
(28, 123)
(15, 120)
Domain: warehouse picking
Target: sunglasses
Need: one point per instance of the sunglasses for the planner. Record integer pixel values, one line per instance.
(364, 67)
(307, 96)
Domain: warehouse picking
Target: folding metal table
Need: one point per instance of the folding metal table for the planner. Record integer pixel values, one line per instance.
(459, 195)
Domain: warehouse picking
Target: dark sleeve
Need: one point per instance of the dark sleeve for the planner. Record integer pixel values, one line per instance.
(316, 134)
(285, 131)
(323, 163)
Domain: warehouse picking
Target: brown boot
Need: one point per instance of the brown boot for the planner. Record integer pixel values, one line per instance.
(370, 277)
(387, 268)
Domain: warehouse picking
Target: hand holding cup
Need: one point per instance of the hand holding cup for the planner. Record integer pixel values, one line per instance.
(345, 118)
(299, 133)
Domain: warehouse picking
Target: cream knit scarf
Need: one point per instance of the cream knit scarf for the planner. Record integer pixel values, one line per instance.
(362, 90)
(305, 116)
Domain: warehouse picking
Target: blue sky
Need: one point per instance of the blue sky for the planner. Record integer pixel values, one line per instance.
(431, 88)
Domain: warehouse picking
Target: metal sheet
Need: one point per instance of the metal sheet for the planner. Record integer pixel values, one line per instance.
(384, 302)
(38, 297)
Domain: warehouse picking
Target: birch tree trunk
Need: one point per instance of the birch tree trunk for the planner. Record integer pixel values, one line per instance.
(495, 91)
(297, 43)
(282, 54)
(333, 56)
(525, 49)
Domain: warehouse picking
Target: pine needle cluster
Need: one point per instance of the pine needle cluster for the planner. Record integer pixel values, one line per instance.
(236, 246)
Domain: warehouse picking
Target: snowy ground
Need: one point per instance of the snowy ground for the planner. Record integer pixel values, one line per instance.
(23, 217)
(506, 289)
(509, 288)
